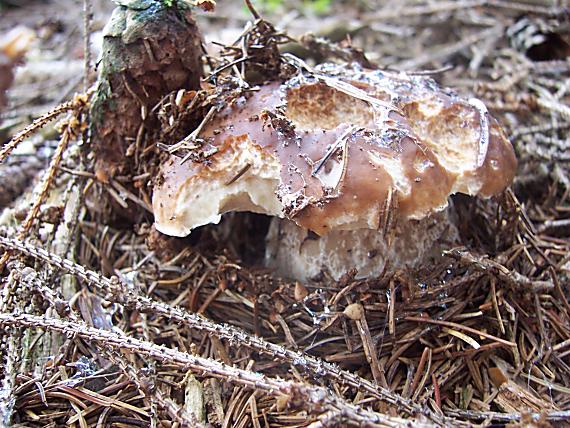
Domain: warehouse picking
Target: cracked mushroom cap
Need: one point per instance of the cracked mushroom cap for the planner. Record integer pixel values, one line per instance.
(337, 149)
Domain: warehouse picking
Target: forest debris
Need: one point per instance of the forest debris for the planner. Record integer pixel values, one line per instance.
(512, 398)
(325, 48)
(485, 264)
(300, 291)
(71, 128)
(194, 398)
(17, 172)
(413, 389)
(462, 336)
(461, 327)
(355, 311)
(121, 295)
(317, 400)
(76, 104)
(16, 42)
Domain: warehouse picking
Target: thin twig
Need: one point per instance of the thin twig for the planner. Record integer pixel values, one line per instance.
(484, 264)
(77, 103)
(462, 327)
(316, 400)
(122, 295)
(71, 130)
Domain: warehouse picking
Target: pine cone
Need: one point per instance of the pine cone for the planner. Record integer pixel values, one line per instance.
(149, 50)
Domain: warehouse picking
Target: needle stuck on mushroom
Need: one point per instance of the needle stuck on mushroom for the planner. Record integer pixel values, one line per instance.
(356, 166)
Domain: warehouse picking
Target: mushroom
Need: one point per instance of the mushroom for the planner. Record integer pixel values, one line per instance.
(13, 46)
(356, 167)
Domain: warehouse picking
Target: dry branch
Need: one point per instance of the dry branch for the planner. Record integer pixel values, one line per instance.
(121, 294)
(316, 400)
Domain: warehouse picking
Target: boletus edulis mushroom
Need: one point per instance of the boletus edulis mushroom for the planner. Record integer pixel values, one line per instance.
(355, 166)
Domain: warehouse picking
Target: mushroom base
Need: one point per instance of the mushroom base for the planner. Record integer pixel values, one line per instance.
(295, 253)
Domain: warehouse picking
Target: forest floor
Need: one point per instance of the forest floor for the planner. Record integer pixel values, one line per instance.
(103, 326)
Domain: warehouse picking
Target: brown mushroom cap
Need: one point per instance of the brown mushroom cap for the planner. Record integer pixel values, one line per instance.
(327, 151)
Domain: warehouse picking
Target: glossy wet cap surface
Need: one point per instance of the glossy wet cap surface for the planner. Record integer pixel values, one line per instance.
(334, 149)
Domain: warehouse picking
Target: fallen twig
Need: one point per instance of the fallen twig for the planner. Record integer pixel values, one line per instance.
(316, 400)
(484, 264)
(234, 335)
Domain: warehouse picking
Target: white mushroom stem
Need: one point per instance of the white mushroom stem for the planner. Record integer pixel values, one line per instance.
(295, 253)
